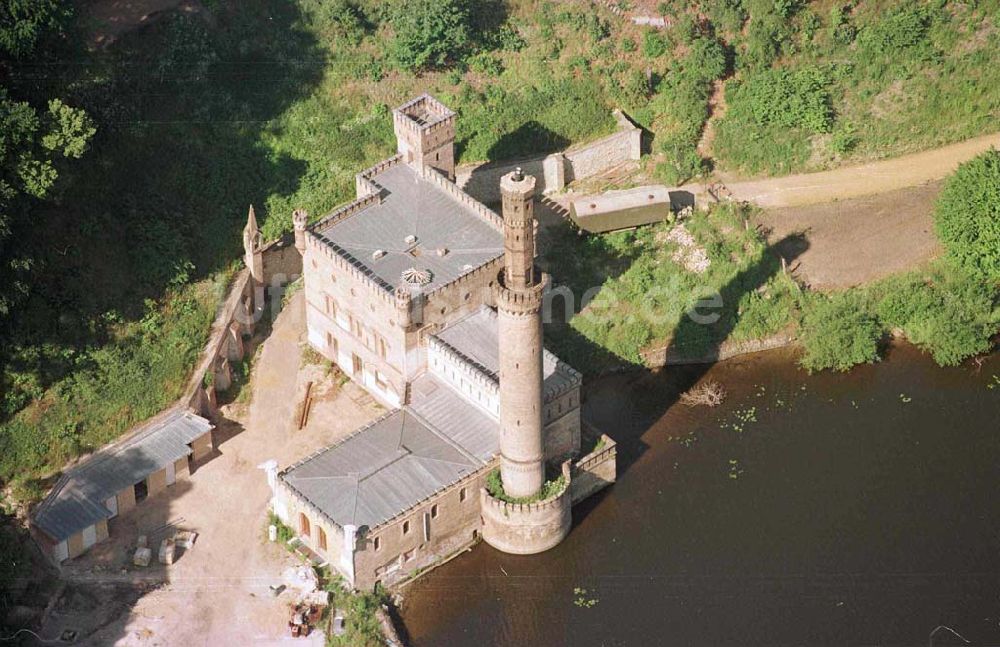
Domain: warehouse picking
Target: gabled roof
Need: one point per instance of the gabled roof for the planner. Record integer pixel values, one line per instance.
(381, 470)
(77, 501)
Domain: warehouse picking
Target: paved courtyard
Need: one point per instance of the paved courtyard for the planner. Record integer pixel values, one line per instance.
(218, 592)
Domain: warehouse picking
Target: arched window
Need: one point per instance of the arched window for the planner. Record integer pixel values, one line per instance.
(304, 527)
(322, 538)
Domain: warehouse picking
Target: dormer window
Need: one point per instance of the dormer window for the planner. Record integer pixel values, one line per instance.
(410, 240)
(377, 254)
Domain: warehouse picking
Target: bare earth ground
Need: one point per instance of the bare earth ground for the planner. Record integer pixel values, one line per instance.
(857, 181)
(857, 240)
(218, 592)
(108, 19)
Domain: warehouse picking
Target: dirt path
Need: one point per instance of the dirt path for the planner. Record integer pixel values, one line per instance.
(716, 111)
(218, 593)
(859, 240)
(857, 181)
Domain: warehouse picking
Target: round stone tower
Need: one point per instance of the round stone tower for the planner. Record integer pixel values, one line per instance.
(519, 304)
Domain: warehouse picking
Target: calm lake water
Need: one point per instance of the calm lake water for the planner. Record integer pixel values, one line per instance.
(859, 509)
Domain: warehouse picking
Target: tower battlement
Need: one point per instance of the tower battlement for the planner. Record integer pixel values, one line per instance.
(425, 134)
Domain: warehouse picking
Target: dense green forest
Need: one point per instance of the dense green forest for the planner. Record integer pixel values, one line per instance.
(128, 166)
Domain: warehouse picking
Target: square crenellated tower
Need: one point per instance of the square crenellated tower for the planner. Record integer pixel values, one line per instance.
(425, 134)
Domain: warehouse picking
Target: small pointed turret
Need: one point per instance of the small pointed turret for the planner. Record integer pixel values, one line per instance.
(251, 232)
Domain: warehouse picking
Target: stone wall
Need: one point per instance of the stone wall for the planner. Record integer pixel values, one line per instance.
(395, 550)
(595, 471)
(292, 509)
(225, 345)
(527, 528)
(668, 356)
(282, 262)
(562, 434)
(553, 172)
(456, 371)
(350, 316)
(440, 525)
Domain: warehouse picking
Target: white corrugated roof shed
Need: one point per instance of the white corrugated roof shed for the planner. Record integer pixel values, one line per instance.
(77, 500)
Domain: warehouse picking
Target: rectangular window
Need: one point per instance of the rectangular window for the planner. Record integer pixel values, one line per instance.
(406, 527)
(434, 511)
(331, 306)
(378, 543)
(380, 382)
(462, 494)
(381, 348)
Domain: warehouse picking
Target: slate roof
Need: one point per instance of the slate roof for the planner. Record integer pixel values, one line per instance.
(414, 452)
(455, 417)
(477, 338)
(382, 469)
(77, 500)
(413, 205)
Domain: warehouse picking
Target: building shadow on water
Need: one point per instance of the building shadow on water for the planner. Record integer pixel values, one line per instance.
(626, 414)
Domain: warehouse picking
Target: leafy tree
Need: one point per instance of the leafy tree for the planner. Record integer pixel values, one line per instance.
(967, 216)
(430, 33)
(24, 22)
(31, 148)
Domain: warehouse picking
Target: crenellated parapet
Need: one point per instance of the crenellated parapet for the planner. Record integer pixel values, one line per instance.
(464, 374)
(523, 301)
(473, 278)
(353, 267)
(364, 182)
(528, 528)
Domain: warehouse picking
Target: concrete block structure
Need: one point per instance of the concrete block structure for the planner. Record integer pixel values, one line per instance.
(431, 302)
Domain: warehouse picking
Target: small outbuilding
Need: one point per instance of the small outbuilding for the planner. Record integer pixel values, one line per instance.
(628, 208)
(75, 514)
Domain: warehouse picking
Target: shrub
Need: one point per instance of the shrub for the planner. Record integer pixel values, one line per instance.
(788, 99)
(486, 63)
(967, 216)
(770, 115)
(654, 44)
(904, 28)
(429, 33)
(950, 314)
(844, 139)
(838, 332)
(552, 487)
